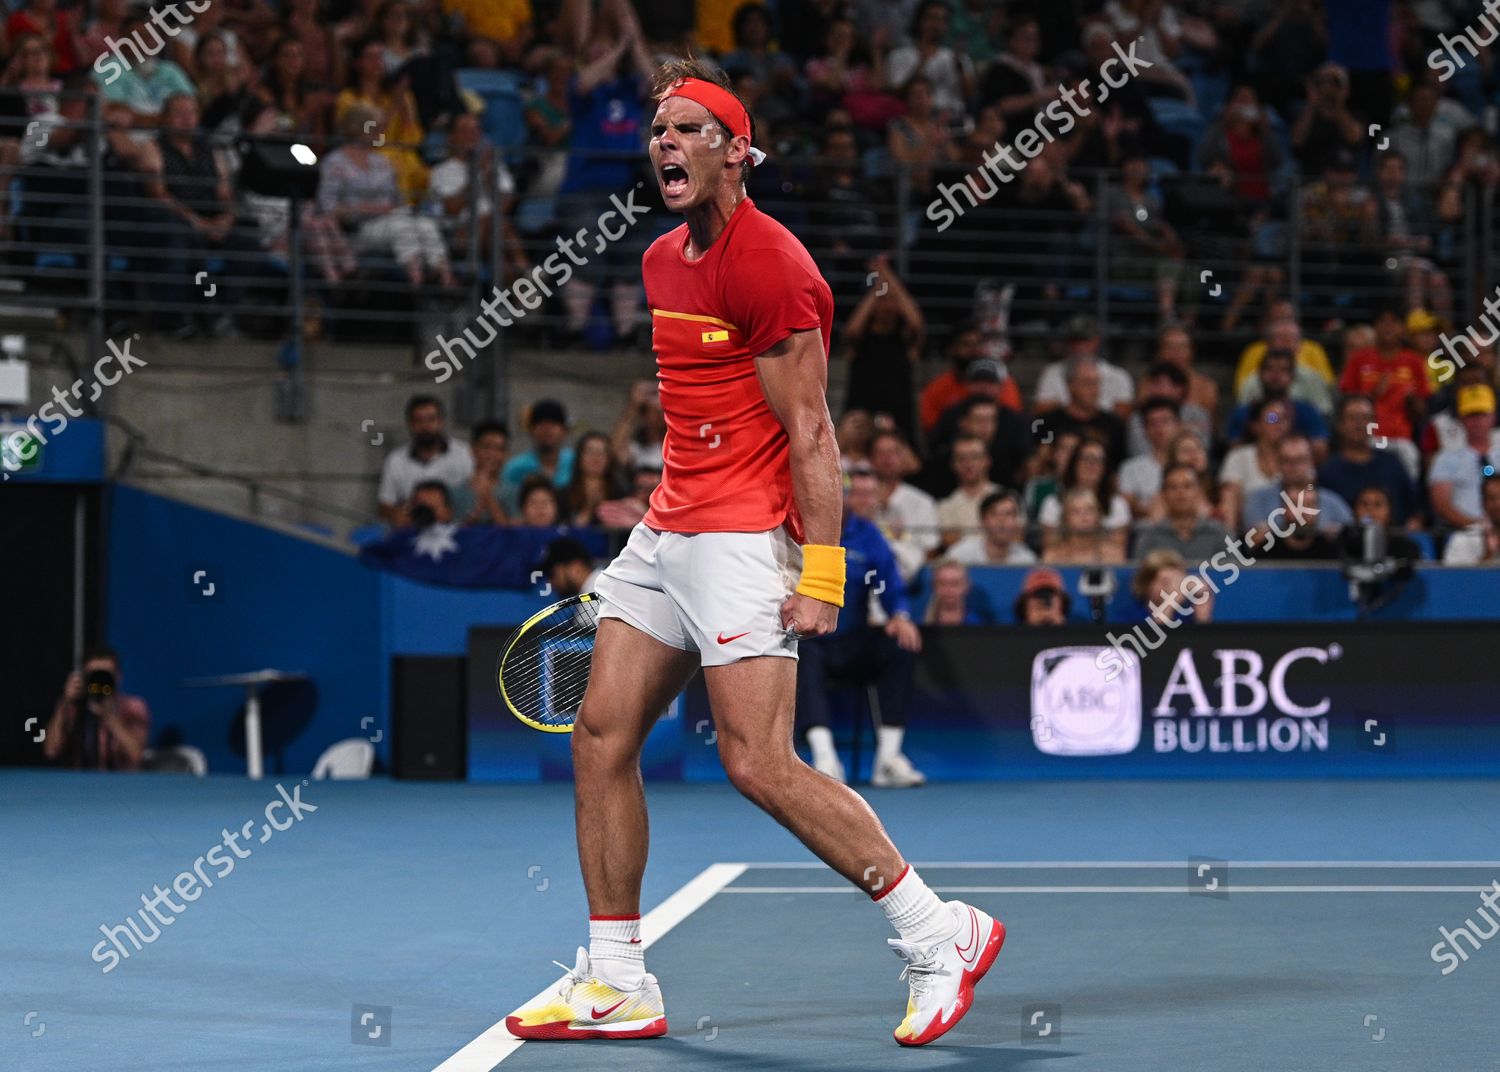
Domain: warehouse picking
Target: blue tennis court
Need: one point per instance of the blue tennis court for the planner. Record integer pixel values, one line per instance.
(1151, 925)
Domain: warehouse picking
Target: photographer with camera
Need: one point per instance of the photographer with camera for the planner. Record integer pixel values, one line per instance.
(95, 726)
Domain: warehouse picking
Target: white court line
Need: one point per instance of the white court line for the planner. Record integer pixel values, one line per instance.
(1179, 890)
(496, 1043)
(1101, 865)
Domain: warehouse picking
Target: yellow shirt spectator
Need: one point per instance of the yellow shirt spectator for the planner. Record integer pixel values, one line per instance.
(1310, 355)
(403, 133)
(499, 20)
(715, 24)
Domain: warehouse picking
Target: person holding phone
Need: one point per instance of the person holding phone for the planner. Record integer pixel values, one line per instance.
(95, 726)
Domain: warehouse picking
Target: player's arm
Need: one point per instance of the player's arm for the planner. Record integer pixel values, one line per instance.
(794, 376)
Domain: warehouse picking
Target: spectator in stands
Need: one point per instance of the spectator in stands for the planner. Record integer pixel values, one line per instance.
(1223, 229)
(1243, 137)
(1116, 389)
(107, 25)
(952, 601)
(497, 30)
(387, 105)
(1164, 32)
(1475, 172)
(774, 71)
(549, 123)
(431, 454)
(921, 138)
(958, 514)
(1252, 465)
(538, 503)
(1166, 381)
(608, 123)
(1282, 331)
(1424, 333)
(193, 186)
(1306, 541)
(1015, 82)
(853, 434)
(322, 55)
(1052, 457)
(359, 188)
(142, 86)
(1081, 537)
(1163, 594)
(1312, 394)
(597, 479)
(1340, 225)
(1445, 429)
(1457, 473)
(1174, 345)
(882, 656)
(641, 429)
(1405, 218)
(1478, 544)
(28, 94)
(1044, 599)
(1355, 464)
(850, 75)
(1372, 507)
(223, 88)
(477, 502)
(1144, 247)
(1107, 131)
(844, 220)
(206, 23)
(431, 503)
(1325, 125)
(1185, 527)
(884, 340)
(547, 424)
(1084, 411)
(1295, 471)
(1395, 378)
(979, 415)
(449, 196)
(1277, 372)
(94, 725)
(569, 567)
(999, 541)
(1088, 468)
(59, 29)
(906, 515)
(965, 346)
(292, 103)
(948, 73)
(1425, 131)
(398, 33)
(1140, 476)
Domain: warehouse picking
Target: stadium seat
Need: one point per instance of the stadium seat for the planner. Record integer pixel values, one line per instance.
(352, 758)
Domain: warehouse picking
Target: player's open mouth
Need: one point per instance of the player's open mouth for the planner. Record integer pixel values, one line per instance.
(674, 180)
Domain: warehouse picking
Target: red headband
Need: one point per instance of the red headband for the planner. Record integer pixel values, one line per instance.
(722, 104)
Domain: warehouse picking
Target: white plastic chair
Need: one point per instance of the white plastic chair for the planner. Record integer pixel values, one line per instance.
(350, 758)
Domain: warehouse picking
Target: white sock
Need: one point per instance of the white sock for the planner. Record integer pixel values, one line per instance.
(820, 740)
(888, 742)
(616, 954)
(919, 915)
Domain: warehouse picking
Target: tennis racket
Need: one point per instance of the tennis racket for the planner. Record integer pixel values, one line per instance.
(544, 667)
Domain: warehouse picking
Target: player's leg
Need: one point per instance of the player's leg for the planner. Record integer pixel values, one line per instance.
(633, 678)
(948, 946)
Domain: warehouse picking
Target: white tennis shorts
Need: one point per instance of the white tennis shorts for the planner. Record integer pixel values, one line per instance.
(716, 593)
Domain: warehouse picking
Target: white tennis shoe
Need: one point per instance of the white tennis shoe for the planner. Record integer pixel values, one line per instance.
(586, 1007)
(942, 976)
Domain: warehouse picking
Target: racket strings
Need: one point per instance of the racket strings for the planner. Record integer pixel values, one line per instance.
(546, 670)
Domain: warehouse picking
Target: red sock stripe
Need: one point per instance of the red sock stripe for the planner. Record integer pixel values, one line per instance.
(893, 885)
(614, 919)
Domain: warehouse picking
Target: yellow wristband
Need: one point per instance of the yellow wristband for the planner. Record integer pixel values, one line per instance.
(822, 573)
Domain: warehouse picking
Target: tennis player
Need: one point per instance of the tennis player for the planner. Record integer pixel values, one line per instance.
(737, 556)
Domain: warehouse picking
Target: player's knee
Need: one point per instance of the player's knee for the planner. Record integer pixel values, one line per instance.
(757, 776)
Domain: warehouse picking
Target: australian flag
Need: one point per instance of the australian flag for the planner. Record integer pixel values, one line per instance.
(481, 556)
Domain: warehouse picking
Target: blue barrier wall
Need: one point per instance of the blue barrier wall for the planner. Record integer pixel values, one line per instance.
(276, 601)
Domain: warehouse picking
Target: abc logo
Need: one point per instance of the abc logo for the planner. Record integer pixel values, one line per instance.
(1076, 712)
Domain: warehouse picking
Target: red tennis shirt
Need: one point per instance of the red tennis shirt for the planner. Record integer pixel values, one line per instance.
(726, 458)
